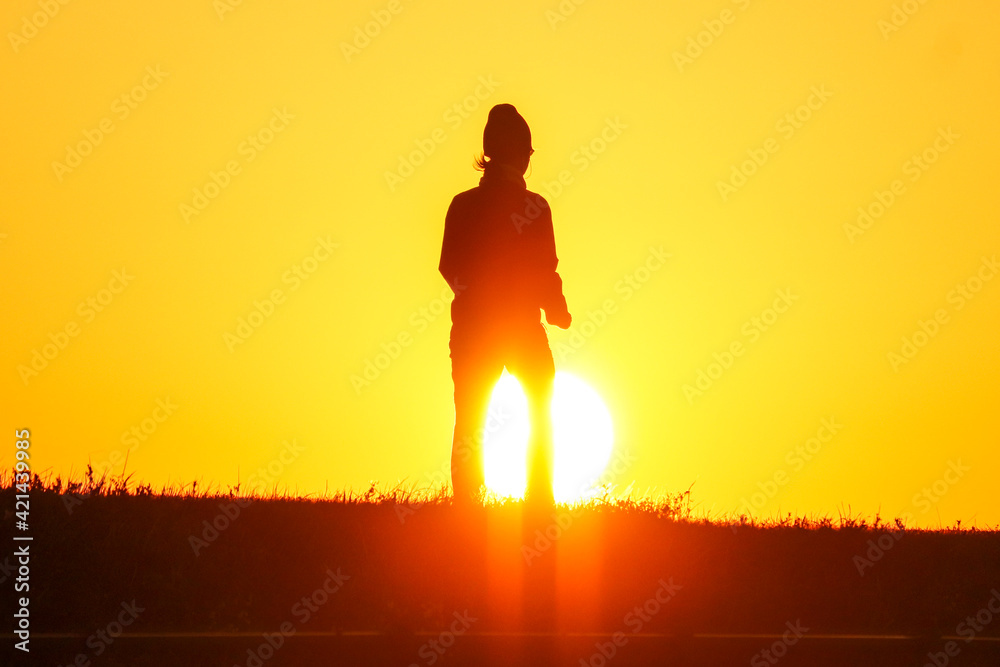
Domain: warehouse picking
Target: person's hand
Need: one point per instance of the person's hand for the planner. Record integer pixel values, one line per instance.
(561, 319)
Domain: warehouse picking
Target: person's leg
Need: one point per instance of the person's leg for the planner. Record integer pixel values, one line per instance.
(475, 371)
(532, 364)
(541, 452)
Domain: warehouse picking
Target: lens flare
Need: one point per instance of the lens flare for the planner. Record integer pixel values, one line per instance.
(581, 429)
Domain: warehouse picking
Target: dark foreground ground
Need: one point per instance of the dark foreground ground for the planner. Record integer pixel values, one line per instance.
(165, 580)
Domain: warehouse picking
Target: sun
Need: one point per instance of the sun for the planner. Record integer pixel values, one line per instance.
(582, 434)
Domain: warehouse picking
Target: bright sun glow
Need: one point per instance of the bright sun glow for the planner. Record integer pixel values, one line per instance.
(581, 429)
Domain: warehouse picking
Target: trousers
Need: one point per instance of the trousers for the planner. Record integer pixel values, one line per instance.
(479, 353)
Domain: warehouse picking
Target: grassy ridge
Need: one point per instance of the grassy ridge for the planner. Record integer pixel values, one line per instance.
(397, 563)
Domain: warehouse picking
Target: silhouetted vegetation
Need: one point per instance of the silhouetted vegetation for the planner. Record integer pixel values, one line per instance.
(405, 561)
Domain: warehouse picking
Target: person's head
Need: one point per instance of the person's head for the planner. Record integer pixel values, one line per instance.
(506, 139)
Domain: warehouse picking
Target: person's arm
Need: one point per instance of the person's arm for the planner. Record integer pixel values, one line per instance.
(452, 253)
(553, 300)
(556, 310)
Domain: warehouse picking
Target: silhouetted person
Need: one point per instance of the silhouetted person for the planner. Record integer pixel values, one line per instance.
(499, 257)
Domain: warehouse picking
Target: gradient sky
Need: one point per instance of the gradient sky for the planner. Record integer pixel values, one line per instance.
(169, 166)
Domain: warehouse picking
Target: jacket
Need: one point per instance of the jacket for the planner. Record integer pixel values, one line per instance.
(499, 252)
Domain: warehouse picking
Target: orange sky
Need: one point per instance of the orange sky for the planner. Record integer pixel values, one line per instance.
(819, 179)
